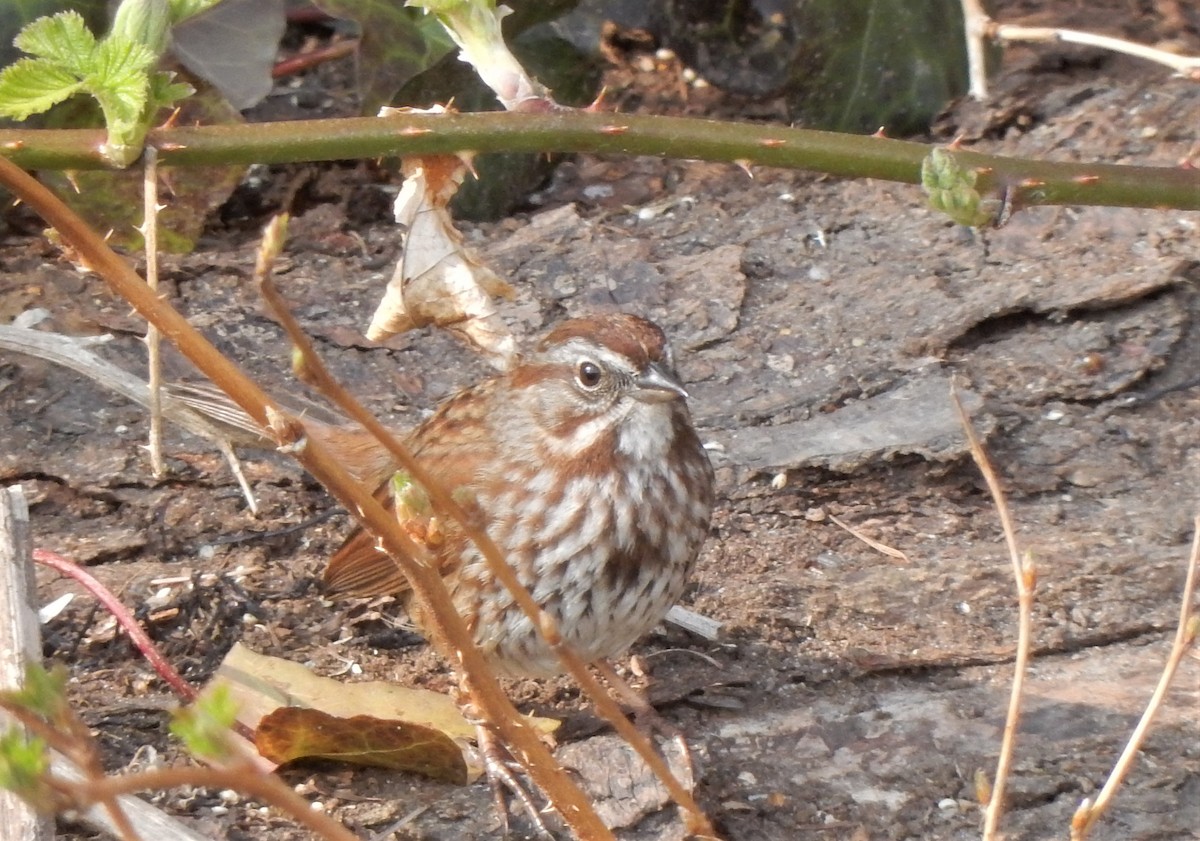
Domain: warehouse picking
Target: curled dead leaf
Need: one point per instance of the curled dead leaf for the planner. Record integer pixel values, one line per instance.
(438, 281)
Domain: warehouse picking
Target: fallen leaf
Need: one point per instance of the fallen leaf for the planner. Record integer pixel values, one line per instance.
(292, 733)
(262, 685)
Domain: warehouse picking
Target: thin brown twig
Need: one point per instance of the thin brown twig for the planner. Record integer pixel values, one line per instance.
(127, 621)
(304, 61)
(240, 777)
(1186, 66)
(979, 28)
(1026, 577)
(318, 375)
(149, 232)
(243, 775)
(882, 548)
(1089, 811)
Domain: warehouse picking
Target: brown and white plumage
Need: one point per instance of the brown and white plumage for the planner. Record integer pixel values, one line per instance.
(583, 466)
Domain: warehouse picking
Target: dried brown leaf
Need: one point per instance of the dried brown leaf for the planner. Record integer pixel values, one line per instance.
(438, 281)
(291, 733)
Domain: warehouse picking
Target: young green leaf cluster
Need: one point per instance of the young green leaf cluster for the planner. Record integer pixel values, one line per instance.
(951, 189)
(65, 58)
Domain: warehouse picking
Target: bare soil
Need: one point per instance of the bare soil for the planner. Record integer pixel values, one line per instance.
(818, 324)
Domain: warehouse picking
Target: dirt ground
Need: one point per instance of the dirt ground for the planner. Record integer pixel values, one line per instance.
(818, 325)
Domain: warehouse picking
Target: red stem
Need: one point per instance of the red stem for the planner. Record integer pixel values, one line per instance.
(124, 618)
(303, 61)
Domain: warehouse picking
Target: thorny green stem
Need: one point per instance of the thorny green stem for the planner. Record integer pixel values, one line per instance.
(1025, 181)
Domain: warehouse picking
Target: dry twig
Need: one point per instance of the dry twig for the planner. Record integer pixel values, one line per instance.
(1026, 577)
(1089, 811)
(979, 27)
(149, 232)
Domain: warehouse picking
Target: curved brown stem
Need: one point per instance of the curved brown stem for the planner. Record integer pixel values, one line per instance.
(451, 635)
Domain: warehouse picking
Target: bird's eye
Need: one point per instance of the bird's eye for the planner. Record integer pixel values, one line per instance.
(589, 374)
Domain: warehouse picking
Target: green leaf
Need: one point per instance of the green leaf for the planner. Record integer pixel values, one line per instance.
(397, 44)
(18, 13)
(165, 91)
(63, 39)
(204, 726)
(23, 766)
(951, 189)
(33, 85)
(120, 80)
(181, 10)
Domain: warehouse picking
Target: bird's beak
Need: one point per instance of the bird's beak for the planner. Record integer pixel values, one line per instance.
(658, 385)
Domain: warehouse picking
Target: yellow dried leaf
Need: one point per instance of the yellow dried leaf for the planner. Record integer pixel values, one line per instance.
(262, 684)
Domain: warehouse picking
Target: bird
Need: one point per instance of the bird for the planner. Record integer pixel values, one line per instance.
(583, 466)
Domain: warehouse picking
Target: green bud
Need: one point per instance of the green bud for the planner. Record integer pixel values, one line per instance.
(951, 189)
(23, 766)
(204, 727)
(145, 22)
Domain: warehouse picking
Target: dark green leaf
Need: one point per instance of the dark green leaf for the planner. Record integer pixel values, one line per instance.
(847, 65)
(233, 46)
(397, 44)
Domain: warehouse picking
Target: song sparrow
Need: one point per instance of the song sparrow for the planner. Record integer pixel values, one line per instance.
(585, 470)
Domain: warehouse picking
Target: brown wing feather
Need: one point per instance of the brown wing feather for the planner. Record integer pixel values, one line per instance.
(446, 448)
